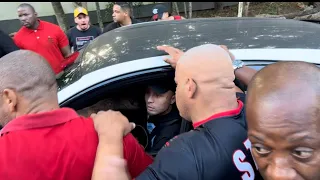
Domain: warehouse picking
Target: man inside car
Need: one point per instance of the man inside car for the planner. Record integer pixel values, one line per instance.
(218, 148)
(164, 121)
(40, 140)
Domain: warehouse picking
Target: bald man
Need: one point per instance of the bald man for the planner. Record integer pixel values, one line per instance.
(283, 113)
(218, 148)
(39, 139)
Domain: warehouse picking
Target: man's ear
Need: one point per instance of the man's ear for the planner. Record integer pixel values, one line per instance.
(191, 88)
(36, 14)
(173, 99)
(10, 98)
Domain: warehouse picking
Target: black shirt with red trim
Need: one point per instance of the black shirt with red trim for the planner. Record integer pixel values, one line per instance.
(218, 148)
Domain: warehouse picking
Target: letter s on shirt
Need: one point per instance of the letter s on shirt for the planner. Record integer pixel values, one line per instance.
(243, 166)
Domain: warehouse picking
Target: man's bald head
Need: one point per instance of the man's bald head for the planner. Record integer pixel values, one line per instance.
(207, 71)
(283, 114)
(27, 85)
(28, 73)
(285, 82)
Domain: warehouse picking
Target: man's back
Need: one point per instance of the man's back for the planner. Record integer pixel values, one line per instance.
(57, 145)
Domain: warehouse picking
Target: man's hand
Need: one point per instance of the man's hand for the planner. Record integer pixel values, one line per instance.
(173, 52)
(230, 54)
(109, 123)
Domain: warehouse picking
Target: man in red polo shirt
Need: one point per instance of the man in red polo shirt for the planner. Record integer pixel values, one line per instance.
(41, 141)
(44, 38)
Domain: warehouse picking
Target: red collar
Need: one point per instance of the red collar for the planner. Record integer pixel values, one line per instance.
(40, 120)
(233, 112)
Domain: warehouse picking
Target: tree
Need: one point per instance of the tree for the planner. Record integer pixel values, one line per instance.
(190, 10)
(61, 17)
(246, 8)
(99, 15)
(175, 7)
(240, 9)
(185, 9)
(81, 4)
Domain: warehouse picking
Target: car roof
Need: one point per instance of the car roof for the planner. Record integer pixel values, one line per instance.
(139, 41)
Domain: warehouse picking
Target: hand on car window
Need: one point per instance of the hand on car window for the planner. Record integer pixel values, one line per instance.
(230, 54)
(109, 123)
(173, 52)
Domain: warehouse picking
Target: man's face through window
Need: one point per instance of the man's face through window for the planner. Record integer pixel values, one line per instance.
(158, 104)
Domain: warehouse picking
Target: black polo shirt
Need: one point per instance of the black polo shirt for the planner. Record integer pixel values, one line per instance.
(115, 25)
(166, 127)
(7, 45)
(218, 148)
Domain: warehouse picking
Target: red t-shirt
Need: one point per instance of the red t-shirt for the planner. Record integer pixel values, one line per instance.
(57, 145)
(46, 40)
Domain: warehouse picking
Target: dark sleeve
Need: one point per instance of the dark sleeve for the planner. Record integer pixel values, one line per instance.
(98, 31)
(7, 44)
(172, 162)
(109, 27)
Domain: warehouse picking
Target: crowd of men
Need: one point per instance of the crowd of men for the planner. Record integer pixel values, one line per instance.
(61, 49)
(269, 132)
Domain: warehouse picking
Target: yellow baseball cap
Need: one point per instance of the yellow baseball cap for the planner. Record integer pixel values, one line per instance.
(80, 10)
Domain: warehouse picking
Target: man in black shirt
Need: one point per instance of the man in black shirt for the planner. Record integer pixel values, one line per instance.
(83, 33)
(164, 121)
(121, 17)
(7, 45)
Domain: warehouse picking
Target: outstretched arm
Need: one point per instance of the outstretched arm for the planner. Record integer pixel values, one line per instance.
(244, 74)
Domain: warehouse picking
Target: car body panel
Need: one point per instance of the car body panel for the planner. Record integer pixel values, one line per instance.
(250, 56)
(139, 41)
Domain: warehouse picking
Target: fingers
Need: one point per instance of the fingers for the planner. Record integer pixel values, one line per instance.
(129, 128)
(168, 49)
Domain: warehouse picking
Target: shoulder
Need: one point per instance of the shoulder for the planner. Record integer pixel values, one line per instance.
(71, 30)
(20, 33)
(135, 21)
(49, 24)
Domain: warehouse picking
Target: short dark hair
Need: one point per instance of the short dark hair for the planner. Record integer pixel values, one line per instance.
(125, 6)
(27, 5)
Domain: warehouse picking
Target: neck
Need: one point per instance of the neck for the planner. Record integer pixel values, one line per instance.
(166, 111)
(126, 22)
(219, 105)
(40, 106)
(35, 26)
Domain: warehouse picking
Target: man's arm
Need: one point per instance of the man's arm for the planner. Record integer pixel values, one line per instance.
(244, 74)
(137, 159)
(109, 162)
(63, 44)
(7, 44)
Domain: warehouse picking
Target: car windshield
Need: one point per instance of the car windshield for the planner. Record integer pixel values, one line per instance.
(140, 40)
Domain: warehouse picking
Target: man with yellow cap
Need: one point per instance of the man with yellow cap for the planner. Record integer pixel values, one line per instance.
(83, 32)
